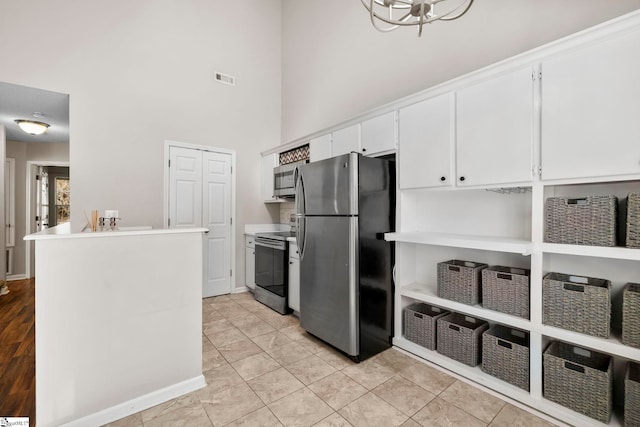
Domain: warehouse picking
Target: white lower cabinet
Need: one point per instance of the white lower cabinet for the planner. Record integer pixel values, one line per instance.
(507, 230)
(294, 277)
(249, 262)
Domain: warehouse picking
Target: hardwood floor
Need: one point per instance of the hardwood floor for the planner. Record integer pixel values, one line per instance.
(18, 351)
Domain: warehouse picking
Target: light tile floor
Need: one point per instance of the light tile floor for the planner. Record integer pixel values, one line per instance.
(262, 369)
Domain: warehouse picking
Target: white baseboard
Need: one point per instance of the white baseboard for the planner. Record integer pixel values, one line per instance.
(240, 290)
(16, 277)
(138, 404)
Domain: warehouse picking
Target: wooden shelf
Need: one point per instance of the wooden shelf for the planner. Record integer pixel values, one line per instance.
(489, 243)
(423, 293)
(611, 345)
(592, 251)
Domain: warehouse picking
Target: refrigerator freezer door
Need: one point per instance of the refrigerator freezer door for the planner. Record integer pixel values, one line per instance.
(330, 186)
(328, 281)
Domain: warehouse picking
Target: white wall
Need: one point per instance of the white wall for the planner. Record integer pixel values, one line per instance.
(335, 65)
(139, 73)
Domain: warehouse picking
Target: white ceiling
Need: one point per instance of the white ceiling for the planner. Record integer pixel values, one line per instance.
(20, 102)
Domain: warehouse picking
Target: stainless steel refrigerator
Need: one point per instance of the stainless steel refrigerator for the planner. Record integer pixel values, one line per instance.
(344, 205)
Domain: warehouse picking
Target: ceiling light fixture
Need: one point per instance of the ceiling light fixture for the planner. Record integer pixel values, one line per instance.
(32, 127)
(399, 13)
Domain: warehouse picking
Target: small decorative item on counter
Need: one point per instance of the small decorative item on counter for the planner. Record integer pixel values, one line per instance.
(580, 304)
(578, 379)
(581, 221)
(101, 223)
(460, 281)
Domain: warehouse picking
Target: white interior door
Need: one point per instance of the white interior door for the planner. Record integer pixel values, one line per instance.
(216, 215)
(200, 196)
(185, 188)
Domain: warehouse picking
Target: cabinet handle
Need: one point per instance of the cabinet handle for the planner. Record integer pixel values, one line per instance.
(364, 149)
(462, 178)
(290, 262)
(442, 178)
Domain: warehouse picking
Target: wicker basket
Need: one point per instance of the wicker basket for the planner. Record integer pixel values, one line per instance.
(460, 281)
(505, 355)
(585, 221)
(460, 336)
(506, 289)
(580, 304)
(578, 379)
(631, 315)
(632, 221)
(632, 395)
(419, 324)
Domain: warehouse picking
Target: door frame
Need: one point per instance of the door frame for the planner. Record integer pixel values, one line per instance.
(165, 204)
(30, 202)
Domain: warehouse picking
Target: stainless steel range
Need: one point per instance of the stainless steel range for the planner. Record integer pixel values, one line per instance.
(272, 270)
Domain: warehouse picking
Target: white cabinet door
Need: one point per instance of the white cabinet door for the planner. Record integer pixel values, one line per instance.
(268, 163)
(320, 148)
(494, 124)
(425, 136)
(591, 110)
(294, 278)
(250, 267)
(379, 134)
(345, 140)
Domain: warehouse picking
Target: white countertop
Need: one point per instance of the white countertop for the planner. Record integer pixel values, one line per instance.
(252, 229)
(63, 231)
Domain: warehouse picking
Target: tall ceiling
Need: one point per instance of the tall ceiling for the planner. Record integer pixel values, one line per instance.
(20, 102)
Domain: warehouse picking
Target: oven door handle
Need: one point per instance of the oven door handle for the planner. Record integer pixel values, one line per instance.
(269, 244)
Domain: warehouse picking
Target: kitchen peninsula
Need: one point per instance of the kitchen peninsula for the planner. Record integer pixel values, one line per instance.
(118, 322)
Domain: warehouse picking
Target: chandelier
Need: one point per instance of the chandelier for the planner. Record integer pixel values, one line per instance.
(398, 13)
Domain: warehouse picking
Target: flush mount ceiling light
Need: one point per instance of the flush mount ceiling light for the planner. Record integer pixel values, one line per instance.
(32, 127)
(397, 13)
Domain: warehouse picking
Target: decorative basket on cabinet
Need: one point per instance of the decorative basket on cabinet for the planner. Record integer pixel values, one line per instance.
(460, 281)
(420, 324)
(578, 379)
(632, 395)
(630, 221)
(505, 355)
(580, 304)
(631, 315)
(460, 338)
(582, 221)
(506, 289)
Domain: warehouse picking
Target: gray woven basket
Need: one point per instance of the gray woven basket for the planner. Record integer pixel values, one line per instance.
(580, 304)
(632, 395)
(505, 355)
(419, 324)
(460, 338)
(578, 379)
(506, 289)
(631, 315)
(632, 235)
(584, 221)
(460, 281)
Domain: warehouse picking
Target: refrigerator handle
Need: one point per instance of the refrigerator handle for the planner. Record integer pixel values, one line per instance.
(300, 212)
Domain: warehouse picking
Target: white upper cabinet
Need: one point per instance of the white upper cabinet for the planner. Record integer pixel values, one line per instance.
(591, 110)
(379, 134)
(494, 122)
(320, 148)
(345, 140)
(268, 163)
(425, 136)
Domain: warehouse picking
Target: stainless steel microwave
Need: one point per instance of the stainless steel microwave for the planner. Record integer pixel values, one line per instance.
(284, 179)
